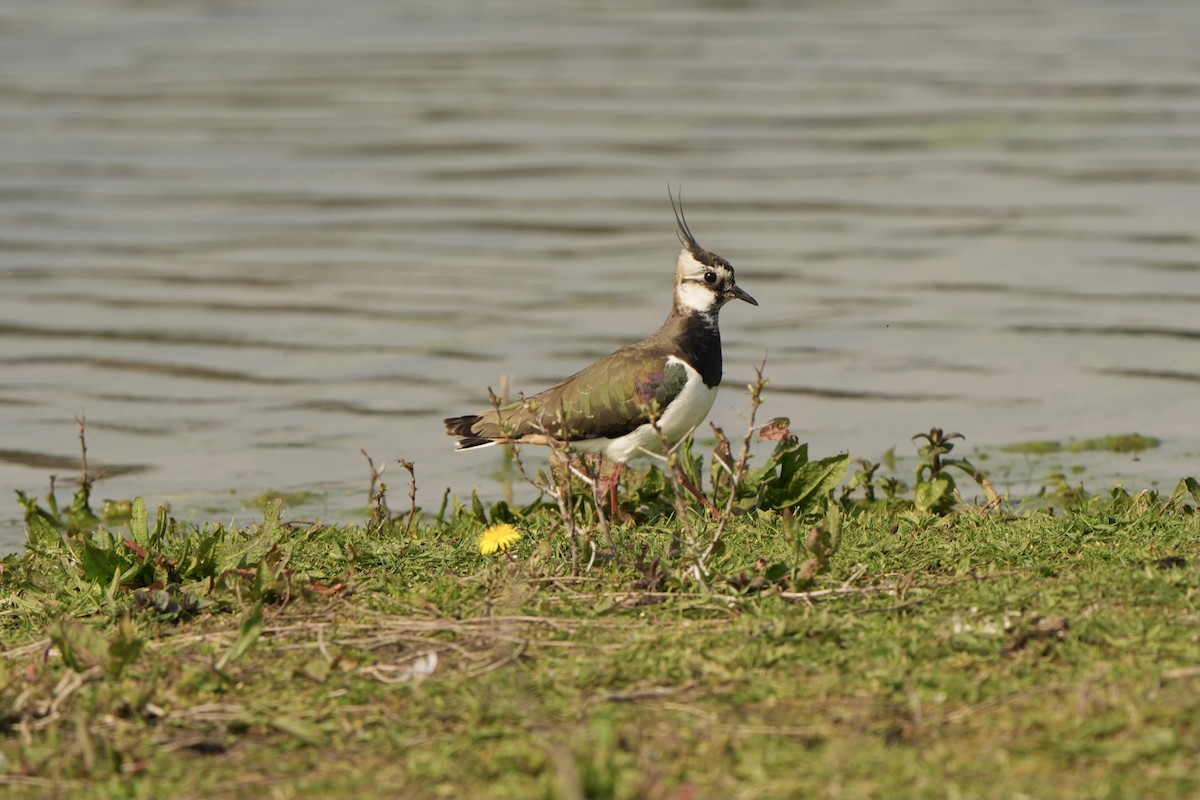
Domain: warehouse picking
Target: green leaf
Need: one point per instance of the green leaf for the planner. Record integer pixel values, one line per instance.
(200, 559)
(1186, 486)
(654, 487)
(777, 572)
(271, 514)
(935, 496)
(477, 507)
(251, 627)
(271, 575)
(43, 537)
(161, 525)
(787, 455)
(767, 481)
(124, 648)
(502, 512)
(139, 523)
(30, 503)
(81, 515)
(691, 464)
(807, 486)
(98, 556)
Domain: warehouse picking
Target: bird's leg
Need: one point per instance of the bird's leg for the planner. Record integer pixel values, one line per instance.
(614, 482)
(699, 495)
(611, 483)
(588, 471)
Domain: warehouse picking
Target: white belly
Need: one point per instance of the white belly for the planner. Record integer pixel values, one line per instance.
(682, 416)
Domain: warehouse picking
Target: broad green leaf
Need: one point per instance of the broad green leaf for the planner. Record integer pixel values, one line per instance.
(1186, 486)
(790, 452)
(770, 485)
(934, 496)
(805, 487)
(99, 558)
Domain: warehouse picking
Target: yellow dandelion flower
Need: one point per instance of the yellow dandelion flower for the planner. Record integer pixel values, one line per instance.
(498, 537)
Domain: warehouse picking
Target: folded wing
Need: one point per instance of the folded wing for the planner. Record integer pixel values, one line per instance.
(609, 399)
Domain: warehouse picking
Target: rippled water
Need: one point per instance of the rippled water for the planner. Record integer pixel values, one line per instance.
(247, 239)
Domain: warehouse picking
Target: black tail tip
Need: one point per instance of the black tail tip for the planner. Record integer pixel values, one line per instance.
(461, 426)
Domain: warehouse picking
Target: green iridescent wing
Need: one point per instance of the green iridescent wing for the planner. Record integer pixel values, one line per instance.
(608, 399)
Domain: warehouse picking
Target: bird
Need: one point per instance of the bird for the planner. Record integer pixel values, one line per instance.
(612, 407)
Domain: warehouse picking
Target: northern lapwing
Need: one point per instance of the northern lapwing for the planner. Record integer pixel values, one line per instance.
(608, 408)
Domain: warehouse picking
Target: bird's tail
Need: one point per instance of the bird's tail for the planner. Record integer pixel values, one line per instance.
(462, 428)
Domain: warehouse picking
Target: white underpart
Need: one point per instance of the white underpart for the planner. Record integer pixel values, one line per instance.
(683, 414)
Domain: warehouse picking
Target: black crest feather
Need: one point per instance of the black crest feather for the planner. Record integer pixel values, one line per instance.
(685, 233)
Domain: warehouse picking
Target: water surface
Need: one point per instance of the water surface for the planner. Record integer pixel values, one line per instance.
(249, 239)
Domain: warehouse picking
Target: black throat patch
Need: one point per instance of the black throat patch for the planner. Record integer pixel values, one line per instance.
(698, 342)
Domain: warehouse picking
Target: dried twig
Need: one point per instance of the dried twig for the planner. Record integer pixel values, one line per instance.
(897, 588)
(81, 422)
(412, 493)
(377, 500)
(649, 693)
(962, 713)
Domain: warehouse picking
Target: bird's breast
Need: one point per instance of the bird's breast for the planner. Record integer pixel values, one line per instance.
(689, 408)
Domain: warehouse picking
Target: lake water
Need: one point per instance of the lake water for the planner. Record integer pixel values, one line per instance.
(248, 239)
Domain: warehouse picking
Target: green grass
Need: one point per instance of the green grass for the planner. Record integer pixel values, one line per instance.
(1036, 653)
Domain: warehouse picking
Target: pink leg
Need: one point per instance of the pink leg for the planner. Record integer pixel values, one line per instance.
(614, 479)
(699, 495)
(612, 482)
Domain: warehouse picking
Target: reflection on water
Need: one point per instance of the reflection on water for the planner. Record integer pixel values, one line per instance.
(248, 239)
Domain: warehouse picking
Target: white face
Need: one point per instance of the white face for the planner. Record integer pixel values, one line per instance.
(703, 285)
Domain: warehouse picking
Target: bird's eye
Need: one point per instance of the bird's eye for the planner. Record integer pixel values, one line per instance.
(710, 277)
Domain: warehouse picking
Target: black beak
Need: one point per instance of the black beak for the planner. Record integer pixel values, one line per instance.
(737, 292)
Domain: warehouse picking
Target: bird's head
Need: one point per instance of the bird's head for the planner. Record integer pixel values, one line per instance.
(703, 280)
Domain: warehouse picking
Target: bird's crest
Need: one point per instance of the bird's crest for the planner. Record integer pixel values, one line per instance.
(683, 231)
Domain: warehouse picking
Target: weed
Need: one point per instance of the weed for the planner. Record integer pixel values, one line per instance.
(935, 490)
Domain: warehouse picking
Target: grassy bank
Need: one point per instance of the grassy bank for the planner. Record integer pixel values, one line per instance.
(852, 644)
